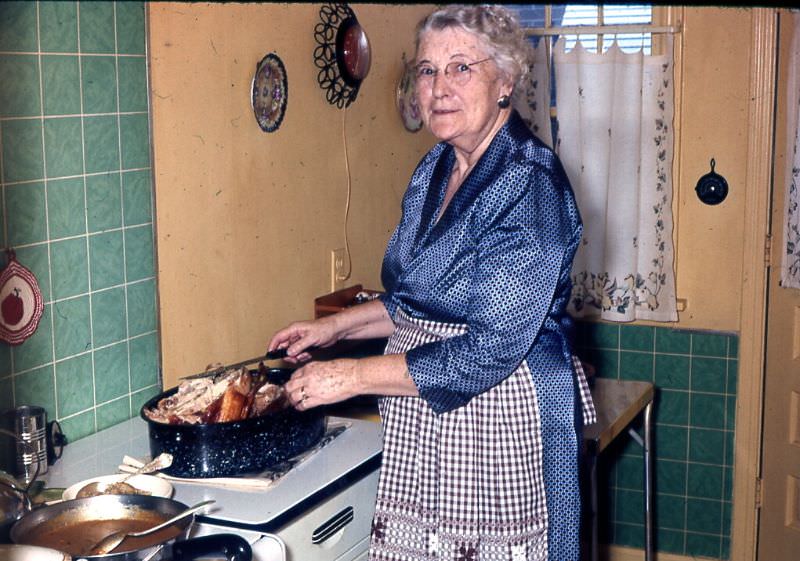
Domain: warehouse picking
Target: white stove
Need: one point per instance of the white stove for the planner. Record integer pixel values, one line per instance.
(321, 510)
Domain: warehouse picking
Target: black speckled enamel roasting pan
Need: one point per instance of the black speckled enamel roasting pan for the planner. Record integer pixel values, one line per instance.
(244, 447)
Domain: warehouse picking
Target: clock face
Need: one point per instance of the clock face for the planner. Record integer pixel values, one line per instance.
(353, 53)
(356, 52)
(269, 93)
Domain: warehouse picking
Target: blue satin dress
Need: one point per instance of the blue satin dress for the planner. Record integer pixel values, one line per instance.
(498, 263)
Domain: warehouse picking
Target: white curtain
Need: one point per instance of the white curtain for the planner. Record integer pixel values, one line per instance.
(790, 262)
(532, 101)
(615, 141)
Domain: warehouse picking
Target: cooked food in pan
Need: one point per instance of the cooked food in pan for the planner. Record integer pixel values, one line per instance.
(234, 395)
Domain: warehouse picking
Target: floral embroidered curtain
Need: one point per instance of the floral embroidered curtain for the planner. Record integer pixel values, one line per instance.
(615, 140)
(790, 262)
(532, 101)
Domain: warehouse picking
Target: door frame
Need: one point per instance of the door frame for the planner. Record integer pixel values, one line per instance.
(755, 265)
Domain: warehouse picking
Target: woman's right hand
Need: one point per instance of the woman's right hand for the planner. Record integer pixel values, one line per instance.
(299, 336)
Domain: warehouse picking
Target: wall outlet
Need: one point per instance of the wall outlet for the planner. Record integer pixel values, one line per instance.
(338, 274)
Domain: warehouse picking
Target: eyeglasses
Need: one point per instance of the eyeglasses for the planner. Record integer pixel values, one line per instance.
(458, 73)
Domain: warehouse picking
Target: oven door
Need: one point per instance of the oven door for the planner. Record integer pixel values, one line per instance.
(337, 529)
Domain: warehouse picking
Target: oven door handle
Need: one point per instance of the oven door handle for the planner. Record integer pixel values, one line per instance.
(333, 525)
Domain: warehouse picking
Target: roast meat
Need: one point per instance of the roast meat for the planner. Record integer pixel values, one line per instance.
(233, 395)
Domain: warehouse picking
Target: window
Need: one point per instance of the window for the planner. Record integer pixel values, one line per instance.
(628, 24)
(610, 123)
(625, 22)
(581, 14)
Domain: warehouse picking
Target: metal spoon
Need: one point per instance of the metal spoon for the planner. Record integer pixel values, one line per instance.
(112, 540)
(121, 487)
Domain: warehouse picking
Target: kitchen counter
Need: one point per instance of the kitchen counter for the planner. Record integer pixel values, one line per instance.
(351, 456)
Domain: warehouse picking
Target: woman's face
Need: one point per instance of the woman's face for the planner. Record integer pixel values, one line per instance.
(462, 115)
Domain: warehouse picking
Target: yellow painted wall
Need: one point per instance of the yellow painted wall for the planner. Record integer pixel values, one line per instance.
(715, 77)
(246, 220)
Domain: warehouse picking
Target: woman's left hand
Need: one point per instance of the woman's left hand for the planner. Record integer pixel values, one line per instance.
(322, 382)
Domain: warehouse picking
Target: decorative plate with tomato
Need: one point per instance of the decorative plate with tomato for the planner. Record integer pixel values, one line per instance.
(21, 303)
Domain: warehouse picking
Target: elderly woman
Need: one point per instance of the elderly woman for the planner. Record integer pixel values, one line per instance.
(481, 403)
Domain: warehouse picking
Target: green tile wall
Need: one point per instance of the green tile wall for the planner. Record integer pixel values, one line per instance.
(695, 374)
(77, 208)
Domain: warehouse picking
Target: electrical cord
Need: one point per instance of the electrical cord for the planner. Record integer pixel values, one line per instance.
(347, 203)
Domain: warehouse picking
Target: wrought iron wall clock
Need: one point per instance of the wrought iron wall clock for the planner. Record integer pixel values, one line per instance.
(343, 54)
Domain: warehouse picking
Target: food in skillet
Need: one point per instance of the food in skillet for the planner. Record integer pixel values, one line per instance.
(77, 529)
(234, 395)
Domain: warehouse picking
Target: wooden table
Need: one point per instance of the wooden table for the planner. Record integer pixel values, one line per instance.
(618, 403)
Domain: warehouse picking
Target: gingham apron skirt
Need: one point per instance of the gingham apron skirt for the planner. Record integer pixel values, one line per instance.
(466, 485)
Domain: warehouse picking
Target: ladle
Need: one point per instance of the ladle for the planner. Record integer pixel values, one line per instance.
(100, 487)
(111, 541)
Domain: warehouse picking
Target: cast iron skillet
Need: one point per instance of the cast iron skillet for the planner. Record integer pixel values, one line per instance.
(239, 447)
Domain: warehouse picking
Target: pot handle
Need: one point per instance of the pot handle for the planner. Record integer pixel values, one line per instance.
(22, 492)
(56, 440)
(232, 546)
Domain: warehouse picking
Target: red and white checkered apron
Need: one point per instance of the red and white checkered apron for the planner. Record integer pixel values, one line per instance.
(466, 485)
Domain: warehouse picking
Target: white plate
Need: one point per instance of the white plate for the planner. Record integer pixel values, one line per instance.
(155, 486)
(31, 553)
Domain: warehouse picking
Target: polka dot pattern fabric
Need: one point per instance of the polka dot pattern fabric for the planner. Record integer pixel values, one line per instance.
(497, 261)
